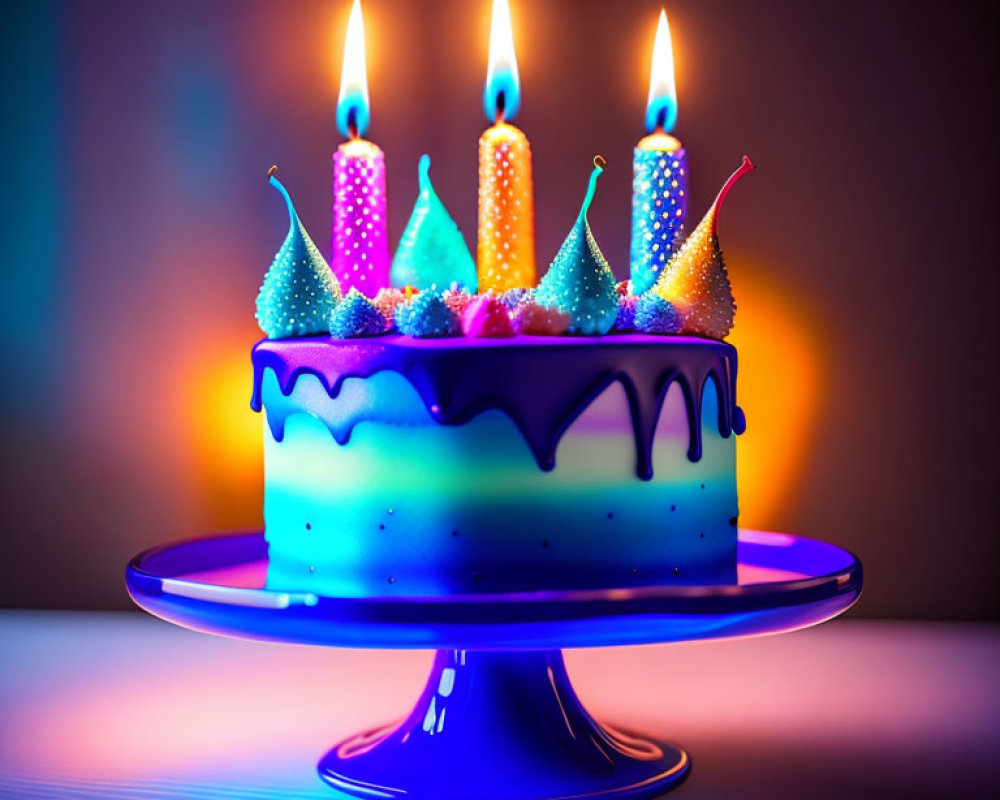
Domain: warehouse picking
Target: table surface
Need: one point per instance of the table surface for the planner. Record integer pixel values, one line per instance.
(116, 705)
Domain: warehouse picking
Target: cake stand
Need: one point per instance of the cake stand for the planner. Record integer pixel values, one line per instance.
(498, 718)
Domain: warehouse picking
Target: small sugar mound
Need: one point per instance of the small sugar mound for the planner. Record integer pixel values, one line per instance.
(387, 301)
(457, 300)
(653, 314)
(486, 317)
(356, 316)
(426, 317)
(537, 320)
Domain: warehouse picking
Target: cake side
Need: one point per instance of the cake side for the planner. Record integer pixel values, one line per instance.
(395, 466)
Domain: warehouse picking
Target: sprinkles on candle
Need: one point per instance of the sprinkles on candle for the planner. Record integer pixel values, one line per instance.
(659, 204)
(506, 248)
(360, 245)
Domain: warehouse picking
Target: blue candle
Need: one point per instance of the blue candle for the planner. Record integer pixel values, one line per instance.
(659, 167)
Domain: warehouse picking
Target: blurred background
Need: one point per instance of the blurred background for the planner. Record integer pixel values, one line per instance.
(137, 225)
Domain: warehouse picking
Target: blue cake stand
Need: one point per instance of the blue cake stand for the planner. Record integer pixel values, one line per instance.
(498, 718)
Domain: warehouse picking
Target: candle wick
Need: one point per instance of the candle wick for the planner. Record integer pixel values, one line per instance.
(501, 107)
(352, 123)
(661, 121)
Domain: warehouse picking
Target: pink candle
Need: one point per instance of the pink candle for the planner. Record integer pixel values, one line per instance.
(360, 249)
(360, 257)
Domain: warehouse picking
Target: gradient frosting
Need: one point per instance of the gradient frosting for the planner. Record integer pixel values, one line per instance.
(497, 465)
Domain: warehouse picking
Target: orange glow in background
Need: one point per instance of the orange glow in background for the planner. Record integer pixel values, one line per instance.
(781, 374)
(225, 435)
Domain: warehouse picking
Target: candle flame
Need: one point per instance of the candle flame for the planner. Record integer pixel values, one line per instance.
(353, 108)
(661, 107)
(502, 96)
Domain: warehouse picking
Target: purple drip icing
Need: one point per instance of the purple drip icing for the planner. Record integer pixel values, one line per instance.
(542, 383)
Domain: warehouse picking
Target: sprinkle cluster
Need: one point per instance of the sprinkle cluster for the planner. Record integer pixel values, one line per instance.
(653, 314)
(356, 316)
(387, 301)
(427, 316)
(457, 300)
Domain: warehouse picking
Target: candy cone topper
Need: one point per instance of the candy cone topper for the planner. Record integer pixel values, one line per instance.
(432, 251)
(299, 291)
(696, 281)
(579, 281)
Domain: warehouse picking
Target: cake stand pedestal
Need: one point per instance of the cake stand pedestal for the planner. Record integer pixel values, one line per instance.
(498, 718)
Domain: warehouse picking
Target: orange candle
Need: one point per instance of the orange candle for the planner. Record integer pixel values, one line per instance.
(506, 248)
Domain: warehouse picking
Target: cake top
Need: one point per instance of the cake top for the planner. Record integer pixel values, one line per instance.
(577, 295)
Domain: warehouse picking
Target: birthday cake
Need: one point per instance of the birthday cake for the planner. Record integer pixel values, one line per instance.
(440, 425)
(428, 442)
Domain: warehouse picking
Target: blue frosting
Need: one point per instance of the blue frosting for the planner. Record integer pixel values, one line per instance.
(356, 316)
(653, 314)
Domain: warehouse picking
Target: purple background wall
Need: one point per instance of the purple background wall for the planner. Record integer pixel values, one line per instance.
(137, 225)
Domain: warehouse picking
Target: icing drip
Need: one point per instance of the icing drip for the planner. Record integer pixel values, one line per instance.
(458, 379)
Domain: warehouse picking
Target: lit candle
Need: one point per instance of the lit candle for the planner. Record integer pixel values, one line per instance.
(659, 165)
(506, 251)
(360, 247)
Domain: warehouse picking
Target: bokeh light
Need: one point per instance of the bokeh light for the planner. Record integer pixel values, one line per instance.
(780, 379)
(225, 435)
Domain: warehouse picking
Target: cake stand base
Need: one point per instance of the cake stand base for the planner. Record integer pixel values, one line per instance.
(498, 719)
(501, 726)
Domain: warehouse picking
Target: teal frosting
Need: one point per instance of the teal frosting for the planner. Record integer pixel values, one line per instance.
(432, 251)
(356, 316)
(579, 281)
(427, 316)
(299, 292)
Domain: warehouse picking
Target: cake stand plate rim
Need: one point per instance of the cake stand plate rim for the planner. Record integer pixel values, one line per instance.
(536, 620)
